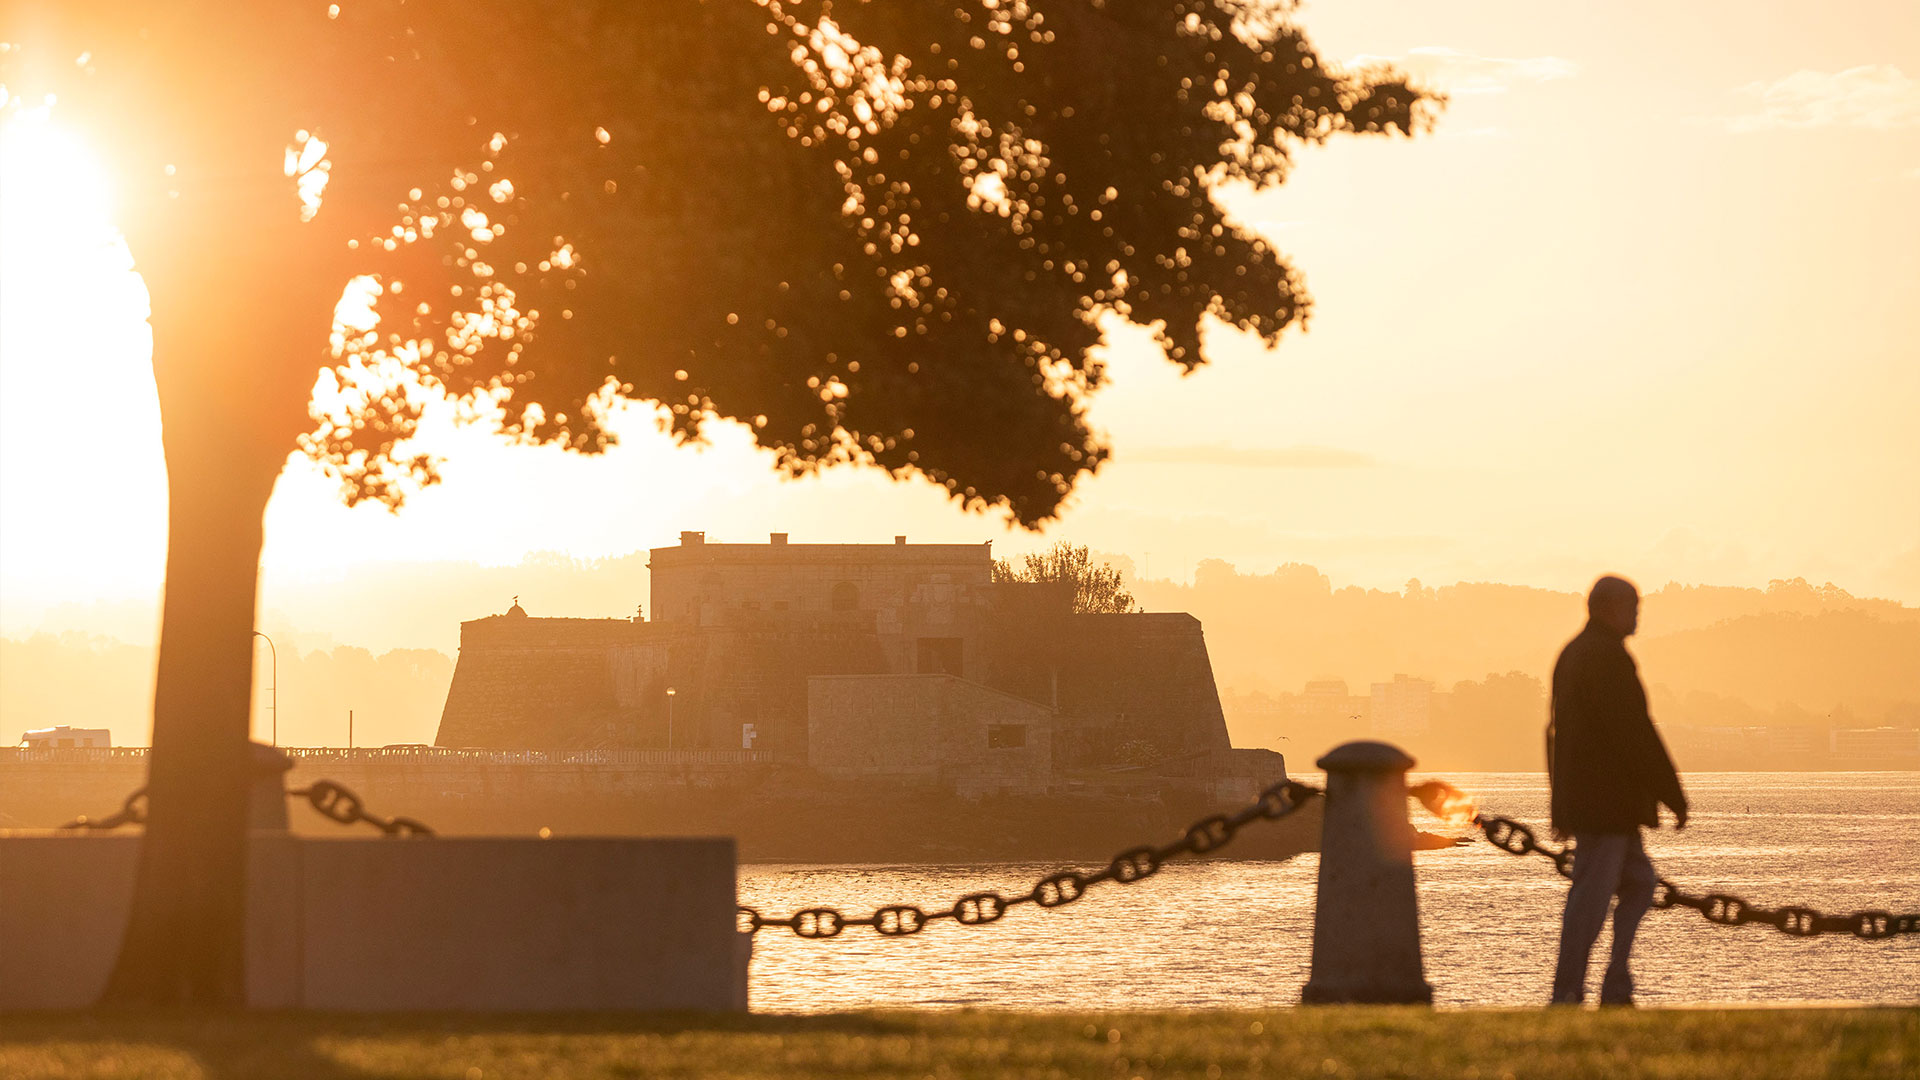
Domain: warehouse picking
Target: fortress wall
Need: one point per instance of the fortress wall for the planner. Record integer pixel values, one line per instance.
(757, 670)
(522, 682)
(1116, 679)
(1127, 687)
(961, 613)
(802, 577)
(526, 682)
(967, 749)
(1151, 674)
(523, 631)
(876, 726)
(928, 728)
(498, 695)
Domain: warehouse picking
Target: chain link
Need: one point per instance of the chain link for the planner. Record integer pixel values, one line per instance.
(132, 812)
(336, 802)
(1055, 890)
(1720, 908)
(333, 801)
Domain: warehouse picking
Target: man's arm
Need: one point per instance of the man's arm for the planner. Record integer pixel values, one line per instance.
(1553, 718)
(1553, 794)
(1549, 745)
(1664, 778)
(1651, 760)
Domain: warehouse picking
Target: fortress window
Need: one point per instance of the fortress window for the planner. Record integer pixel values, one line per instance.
(939, 656)
(846, 596)
(1006, 736)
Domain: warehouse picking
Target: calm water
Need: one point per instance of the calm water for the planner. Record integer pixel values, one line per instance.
(1238, 934)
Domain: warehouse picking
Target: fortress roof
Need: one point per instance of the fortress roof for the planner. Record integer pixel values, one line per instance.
(694, 547)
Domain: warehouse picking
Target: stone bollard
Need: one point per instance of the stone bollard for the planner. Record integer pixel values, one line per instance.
(1366, 918)
(267, 796)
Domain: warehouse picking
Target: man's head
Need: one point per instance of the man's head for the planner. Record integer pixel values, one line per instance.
(1615, 604)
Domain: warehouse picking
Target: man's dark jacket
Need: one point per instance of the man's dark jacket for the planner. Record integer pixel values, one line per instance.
(1605, 762)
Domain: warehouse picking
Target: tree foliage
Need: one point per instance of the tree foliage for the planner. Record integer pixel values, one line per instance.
(881, 232)
(1094, 588)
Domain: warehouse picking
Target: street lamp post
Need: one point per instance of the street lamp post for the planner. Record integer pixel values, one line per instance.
(273, 702)
(670, 694)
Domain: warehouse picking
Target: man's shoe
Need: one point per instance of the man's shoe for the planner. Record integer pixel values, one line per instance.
(1617, 989)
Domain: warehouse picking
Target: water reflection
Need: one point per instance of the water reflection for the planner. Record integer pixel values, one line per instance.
(1223, 935)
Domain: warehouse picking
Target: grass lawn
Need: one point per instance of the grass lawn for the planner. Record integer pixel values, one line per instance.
(1320, 1042)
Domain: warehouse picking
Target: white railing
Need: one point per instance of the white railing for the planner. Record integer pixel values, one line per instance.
(423, 754)
(78, 755)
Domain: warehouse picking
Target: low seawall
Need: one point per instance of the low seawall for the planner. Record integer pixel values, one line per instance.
(45, 788)
(777, 813)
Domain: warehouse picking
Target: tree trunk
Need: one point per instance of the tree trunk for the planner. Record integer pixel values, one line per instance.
(241, 303)
(184, 943)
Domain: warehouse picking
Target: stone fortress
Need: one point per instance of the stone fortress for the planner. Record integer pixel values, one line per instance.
(861, 662)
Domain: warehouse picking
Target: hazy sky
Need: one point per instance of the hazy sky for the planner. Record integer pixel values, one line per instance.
(1649, 300)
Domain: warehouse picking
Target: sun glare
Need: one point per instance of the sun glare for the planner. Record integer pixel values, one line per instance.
(55, 191)
(82, 488)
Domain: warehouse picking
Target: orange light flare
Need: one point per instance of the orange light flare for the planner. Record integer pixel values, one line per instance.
(1446, 802)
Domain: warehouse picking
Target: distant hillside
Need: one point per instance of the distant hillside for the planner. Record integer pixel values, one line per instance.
(1790, 642)
(1710, 654)
(1818, 661)
(1273, 632)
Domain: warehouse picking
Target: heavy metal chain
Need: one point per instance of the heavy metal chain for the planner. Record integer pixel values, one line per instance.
(131, 812)
(333, 801)
(1515, 838)
(336, 802)
(1055, 890)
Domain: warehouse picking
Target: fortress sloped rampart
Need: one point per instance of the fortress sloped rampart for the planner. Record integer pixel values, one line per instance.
(741, 633)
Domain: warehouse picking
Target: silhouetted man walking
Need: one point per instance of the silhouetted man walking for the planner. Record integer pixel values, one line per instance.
(1609, 773)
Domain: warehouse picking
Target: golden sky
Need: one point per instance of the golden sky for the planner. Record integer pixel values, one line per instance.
(1646, 302)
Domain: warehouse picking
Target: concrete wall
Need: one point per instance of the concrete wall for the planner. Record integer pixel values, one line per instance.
(926, 728)
(380, 925)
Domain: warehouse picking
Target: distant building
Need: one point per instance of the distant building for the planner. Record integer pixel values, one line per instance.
(66, 738)
(879, 660)
(1733, 742)
(1326, 706)
(699, 582)
(1798, 741)
(1402, 707)
(1875, 743)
